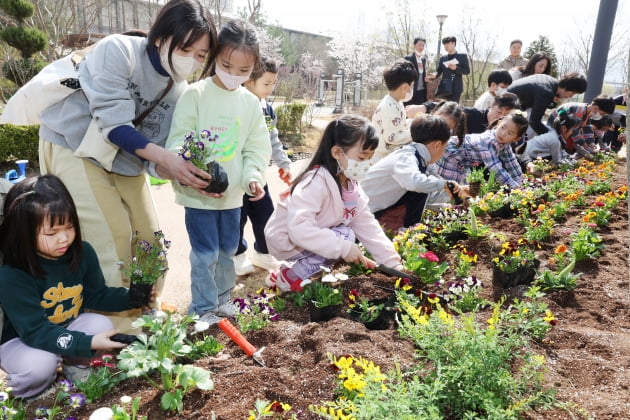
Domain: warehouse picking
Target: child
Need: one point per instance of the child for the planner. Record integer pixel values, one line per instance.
(317, 220)
(261, 84)
(498, 82)
(49, 278)
(398, 185)
(490, 149)
(549, 145)
(389, 119)
(600, 106)
(228, 116)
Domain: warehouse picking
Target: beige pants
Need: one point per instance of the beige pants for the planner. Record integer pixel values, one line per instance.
(111, 208)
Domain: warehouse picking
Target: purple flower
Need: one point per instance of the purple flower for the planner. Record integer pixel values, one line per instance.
(76, 400)
(66, 385)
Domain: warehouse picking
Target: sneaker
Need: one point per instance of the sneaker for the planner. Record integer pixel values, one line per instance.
(210, 317)
(242, 265)
(227, 309)
(266, 261)
(285, 284)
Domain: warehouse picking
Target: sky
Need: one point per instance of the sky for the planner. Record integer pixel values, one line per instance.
(525, 20)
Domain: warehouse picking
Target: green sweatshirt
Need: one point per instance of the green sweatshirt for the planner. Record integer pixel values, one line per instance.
(39, 310)
(241, 145)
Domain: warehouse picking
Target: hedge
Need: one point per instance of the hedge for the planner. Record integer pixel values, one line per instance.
(19, 142)
(290, 119)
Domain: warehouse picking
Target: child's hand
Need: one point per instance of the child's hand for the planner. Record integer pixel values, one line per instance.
(285, 175)
(101, 341)
(356, 256)
(257, 190)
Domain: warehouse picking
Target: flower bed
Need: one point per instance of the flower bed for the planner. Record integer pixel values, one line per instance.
(582, 352)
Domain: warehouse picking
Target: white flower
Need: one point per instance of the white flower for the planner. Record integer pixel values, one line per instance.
(125, 399)
(325, 269)
(159, 315)
(341, 276)
(329, 278)
(201, 326)
(103, 413)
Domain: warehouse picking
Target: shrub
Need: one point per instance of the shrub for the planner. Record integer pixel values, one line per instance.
(19, 142)
(290, 119)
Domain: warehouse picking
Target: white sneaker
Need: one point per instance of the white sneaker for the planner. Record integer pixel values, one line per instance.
(210, 317)
(227, 309)
(242, 265)
(266, 261)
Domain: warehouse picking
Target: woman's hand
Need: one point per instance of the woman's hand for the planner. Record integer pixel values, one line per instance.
(175, 167)
(101, 341)
(257, 190)
(170, 165)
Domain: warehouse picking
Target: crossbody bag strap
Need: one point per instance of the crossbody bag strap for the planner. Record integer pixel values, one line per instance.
(146, 112)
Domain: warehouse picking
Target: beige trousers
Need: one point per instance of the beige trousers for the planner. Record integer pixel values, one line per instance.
(111, 209)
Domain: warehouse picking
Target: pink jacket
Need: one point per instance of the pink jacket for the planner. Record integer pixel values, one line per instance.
(302, 220)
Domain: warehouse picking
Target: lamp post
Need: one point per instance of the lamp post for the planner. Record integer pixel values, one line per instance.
(441, 19)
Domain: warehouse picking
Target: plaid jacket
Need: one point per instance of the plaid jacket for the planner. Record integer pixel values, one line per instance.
(480, 150)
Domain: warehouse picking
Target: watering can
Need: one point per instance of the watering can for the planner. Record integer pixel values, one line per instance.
(16, 176)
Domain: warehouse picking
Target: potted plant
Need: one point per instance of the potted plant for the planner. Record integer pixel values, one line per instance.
(474, 178)
(371, 312)
(197, 152)
(516, 263)
(146, 266)
(323, 301)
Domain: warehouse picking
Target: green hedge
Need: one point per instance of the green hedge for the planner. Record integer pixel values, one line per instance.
(290, 119)
(19, 142)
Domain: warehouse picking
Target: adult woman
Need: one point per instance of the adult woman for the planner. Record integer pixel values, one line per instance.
(102, 138)
(539, 63)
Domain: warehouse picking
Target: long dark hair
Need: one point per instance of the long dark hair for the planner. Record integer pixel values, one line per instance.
(344, 132)
(186, 21)
(529, 69)
(29, 204)
(454, 110)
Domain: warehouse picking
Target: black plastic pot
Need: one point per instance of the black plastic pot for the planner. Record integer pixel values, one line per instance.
(503, 212)
(382, 321)
(139, 294)
(322, 314)
(522, 276)
(219, 182)
(454, 236)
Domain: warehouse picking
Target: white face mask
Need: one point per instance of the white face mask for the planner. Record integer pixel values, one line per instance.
(182, 66)
(356, 170)
(230, 81)
(500, 90)
(596, 116)
(408, 95)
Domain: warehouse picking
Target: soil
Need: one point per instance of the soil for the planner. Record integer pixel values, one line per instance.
(588, 351)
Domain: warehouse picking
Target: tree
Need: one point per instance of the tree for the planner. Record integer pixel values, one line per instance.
(404, 24)
(27, 40)
(542, 44)
(480, 46)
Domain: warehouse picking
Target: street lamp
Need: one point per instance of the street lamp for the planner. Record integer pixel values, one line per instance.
(441, 19)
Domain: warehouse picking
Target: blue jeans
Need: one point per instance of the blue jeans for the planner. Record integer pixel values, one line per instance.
(213, 236)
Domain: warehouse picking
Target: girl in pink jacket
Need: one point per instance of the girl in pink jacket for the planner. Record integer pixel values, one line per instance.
(318, 219)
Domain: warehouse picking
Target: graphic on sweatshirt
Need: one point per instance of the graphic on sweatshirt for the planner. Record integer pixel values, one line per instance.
(61, 297)
(223, 146)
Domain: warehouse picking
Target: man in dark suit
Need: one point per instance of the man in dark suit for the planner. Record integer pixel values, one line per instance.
(452, 66)
(419, 60)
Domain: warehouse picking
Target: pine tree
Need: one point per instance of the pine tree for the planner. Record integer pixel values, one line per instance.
(27, 40)
(542, 44)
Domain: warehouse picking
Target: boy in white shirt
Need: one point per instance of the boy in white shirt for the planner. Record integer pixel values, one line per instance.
(498, 82)
(390, 119)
